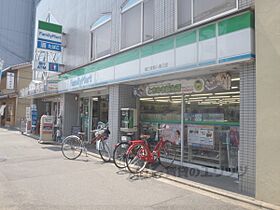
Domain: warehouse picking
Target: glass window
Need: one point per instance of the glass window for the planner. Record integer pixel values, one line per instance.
(134, 22)
(101, 40)
(184, 14)
(131, 27)
(205, 9)
(148, 30)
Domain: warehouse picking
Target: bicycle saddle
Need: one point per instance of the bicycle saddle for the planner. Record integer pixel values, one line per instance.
(81, 133)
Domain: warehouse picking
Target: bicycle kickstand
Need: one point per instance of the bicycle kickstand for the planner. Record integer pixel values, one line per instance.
(85, 150)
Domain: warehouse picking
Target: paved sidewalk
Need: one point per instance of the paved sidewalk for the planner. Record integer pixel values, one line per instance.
(36, 176)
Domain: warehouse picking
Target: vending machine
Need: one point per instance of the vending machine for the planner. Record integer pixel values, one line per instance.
(46, 128)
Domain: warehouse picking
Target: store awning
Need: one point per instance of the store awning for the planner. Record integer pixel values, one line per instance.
(2, 108)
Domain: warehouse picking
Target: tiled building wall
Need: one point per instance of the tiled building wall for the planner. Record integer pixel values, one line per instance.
(120, 96)
(246, 3)
(247, 150)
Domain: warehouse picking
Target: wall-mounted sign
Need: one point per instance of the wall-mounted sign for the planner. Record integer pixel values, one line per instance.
(175, 87)
(46, 66)
(196, 85)
(10, 81)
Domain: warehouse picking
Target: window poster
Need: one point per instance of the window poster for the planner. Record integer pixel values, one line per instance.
(201, 136)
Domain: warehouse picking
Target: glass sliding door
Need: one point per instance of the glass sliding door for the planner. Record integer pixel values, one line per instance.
(84, 116)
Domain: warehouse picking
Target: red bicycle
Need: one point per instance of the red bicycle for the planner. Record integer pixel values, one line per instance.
(139, 154)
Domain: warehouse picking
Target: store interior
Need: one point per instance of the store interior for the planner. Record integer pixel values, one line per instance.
(210, 123)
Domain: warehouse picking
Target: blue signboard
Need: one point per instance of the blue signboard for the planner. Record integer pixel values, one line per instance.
(53, 67)
(48, 46)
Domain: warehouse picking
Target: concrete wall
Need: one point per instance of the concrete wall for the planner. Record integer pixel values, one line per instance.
(24, 77)
(268, 100)
(16, 31)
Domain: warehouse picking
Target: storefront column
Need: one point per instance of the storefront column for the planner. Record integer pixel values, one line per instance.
(120, 96)
(247, 146)
(70, 113)
(182, 128)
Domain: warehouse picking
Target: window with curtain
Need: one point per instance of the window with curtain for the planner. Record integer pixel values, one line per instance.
(148, 20)
(101, 40)
(184, 14)
(206, 9)
(194, 11)
(134, 22)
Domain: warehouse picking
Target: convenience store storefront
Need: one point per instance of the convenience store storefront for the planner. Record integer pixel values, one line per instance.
(202, 114)
(208, 85)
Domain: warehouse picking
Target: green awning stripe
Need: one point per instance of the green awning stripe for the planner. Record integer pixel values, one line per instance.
(185, 38)
(207, 32)
(236, 23)
(50, 27)
(157, 47)
(228, 25)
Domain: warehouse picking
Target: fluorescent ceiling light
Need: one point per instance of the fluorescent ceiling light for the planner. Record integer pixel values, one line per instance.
(176, 97)
(235, 79)
(197, 98)
(162, 100)
(228, 93)
(145, 99)
(219, 97)
(234, 87)
(203, 94)
(162, 97)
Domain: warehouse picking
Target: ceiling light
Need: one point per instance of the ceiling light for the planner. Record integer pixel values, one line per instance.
(203, 94)
(197, 98)
(234, 87)
(219, 97)
(228, 93)
(235, 79)
(146, 99)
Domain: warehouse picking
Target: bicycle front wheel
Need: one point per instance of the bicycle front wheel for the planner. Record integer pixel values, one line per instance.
(72, 147)
(167, 154)
(119, 154)
(136, 158)
(104, 151)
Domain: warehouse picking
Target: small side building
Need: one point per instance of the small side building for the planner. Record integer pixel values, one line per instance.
(13, 108)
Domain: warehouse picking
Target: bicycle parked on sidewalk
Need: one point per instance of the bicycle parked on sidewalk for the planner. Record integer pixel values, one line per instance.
(139, 153)
(73, 145)
(119, 154)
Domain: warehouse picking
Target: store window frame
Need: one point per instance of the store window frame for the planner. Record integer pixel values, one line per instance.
(97, 25)
(133, 5)
(202, 21)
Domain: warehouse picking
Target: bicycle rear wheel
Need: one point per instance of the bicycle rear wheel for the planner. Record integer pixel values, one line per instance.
(135, 158)
(72, 147)
(119, 154)
(104, 151)
(167, 154)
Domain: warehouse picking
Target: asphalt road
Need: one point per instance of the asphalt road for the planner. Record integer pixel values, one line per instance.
(37, 176)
